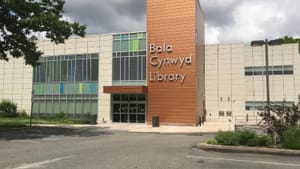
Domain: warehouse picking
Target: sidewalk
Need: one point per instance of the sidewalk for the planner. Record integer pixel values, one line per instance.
(208, 127)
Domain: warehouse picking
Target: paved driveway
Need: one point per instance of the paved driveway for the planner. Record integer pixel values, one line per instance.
(93, 148)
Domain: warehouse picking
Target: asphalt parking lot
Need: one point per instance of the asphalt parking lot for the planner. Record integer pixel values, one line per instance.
(102, 148)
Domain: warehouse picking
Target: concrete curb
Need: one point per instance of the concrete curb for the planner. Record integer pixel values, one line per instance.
(243, 149)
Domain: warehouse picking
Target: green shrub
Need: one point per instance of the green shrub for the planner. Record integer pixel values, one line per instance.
(291, 138)
(260, 141)
(246, 135)
(59, 115)
(212, 141)
(8, 109)
(23, 113)
(227, 138)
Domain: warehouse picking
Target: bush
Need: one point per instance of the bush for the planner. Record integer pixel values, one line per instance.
(59, 115)
(291, 138)
(23, 113)
(227, 138)
(260, 141)
(8, 109)
(246, 135)
(212, 141)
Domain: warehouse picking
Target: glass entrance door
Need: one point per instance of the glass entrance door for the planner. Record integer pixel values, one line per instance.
(129, 108)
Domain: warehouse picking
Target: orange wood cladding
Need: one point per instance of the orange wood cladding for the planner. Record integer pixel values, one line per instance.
(125, 89)
(172, 23)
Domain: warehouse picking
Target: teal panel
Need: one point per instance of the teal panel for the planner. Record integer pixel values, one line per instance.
(124, 36)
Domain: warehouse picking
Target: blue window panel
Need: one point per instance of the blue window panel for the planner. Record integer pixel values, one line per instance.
(92, 88)
(124, 36)
(61, 88)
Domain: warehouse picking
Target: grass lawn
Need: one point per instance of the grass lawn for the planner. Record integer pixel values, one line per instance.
(6, 123)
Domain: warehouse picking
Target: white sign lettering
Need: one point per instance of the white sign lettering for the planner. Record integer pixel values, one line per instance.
(170, 61)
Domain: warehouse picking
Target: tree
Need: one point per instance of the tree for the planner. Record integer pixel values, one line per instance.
(280, 118)
(289, 39)
(20, 20)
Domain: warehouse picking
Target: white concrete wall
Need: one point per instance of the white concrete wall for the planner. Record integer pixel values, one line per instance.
(224, 80)
(16, 83)
(105, 78)
(225, 77)
(282, 87)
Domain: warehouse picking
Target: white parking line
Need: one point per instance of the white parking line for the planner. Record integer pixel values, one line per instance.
(41, 163)
(26, 141)
(245, 161)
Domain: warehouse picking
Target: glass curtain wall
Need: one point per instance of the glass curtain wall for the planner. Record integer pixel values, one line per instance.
(67, 84)
(129, 59)
(129, 108)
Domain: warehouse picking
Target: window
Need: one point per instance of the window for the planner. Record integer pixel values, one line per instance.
(273, 70)
(129, 60)
(259, 105)
(229, 113)
(221, 113)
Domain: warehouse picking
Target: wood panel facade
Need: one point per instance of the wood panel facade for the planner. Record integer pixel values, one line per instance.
(125, 89)
(172, 80)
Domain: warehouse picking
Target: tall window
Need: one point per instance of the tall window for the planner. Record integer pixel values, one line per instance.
(129, 58)
(67, 84)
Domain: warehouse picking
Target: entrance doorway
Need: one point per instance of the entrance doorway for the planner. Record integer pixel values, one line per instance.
(129, 108)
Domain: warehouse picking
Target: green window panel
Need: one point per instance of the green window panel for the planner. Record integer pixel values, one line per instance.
(133, 45)
(41, 89)
(80, 89)
(140, 35)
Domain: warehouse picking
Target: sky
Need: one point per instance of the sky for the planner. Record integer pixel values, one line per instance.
(226, 21)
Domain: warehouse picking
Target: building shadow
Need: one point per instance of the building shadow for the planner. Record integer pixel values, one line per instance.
(28, 133)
